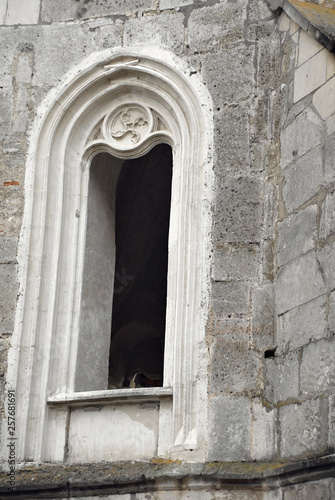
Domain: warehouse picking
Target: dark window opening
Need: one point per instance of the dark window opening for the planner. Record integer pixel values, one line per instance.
(142, 214)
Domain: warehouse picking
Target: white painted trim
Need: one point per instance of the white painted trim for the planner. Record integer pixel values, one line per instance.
(42, 358)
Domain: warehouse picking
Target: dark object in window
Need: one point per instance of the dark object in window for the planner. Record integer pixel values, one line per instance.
(142, 214)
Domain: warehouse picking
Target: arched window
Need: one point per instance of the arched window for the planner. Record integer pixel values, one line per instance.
(110, 112)
(125, 271)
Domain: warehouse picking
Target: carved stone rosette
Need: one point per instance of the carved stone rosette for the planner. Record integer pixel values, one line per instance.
(129, 127)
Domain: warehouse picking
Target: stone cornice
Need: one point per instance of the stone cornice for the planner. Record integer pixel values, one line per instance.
(317, 20)
(80, 480)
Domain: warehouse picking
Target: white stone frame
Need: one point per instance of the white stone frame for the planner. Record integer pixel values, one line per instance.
(42, 358)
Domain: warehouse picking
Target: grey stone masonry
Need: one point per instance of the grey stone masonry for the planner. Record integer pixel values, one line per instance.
(266, 353)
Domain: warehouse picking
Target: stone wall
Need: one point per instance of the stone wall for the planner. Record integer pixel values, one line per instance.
(272, 311)
(301, 381)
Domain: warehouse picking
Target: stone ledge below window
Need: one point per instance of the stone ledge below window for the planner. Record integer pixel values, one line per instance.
(110, 396)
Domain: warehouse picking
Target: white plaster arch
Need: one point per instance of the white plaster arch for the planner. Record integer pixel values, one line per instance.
(72, 127)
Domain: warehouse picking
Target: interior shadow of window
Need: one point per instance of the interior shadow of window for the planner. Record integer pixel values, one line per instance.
(142, 215)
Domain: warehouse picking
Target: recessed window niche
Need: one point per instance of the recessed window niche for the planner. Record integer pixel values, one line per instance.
(125, 272)
(142, 214)
(99, 172)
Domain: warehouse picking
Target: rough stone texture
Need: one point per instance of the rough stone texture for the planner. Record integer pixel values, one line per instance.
(18, 13)
(296, 235)
(263, 320)
(320, 490)
(166, 31)
(229, 423)
(235, 262)
(303, 179)
(326, 258)
(331, 437)
(303, 134)
(304, 428)
(8, 247)
(330, 159)
(317, 370)
(311, 75)
(226, 87)
(324, 99)
(307, 48)
(254, 74)
(282, 374)
(264, 435)
(299, 282)
(327, 222)
(217, 26)
(230, 297)
(232, 136)
(8, 291)
(302, 325)
(238, 210)
(235, 368)
(331, 314)
(68, 11)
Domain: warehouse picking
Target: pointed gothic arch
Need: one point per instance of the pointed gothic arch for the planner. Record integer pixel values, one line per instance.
(77, 122)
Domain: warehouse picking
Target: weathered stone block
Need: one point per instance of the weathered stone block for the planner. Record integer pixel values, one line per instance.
(8, 248)
(318, 490)
(60, 47)
(331, 313)
(231, 136)
(302, 324)
(5, 112)
(24, 68)
(317, 369)
(233, 330)
(324, 99)
(165, 30)
(8, 293)
(230, 297)
(171, 4)
(326, 258)
(236, 262)
(264, 435)
(68, 11)
(296, 235)
(327, 221)
(235, 368)
(238, 210)
(330, 124)
(282, 374)
(22, 13)
(3, 8)
(303, 179)
(307, 48)
(299, 282)
(303, 134)
(310, 75)
(229, 424)
(331, 437)
(330, 159)
(263, 317)
(269, 64)
(304, 428)
(229, 87)
(216, 26)
(259, 11)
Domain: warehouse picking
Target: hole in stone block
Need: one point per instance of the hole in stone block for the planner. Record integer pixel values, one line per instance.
(270, 353)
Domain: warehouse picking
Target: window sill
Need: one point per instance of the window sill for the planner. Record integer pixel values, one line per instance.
(110, 396)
